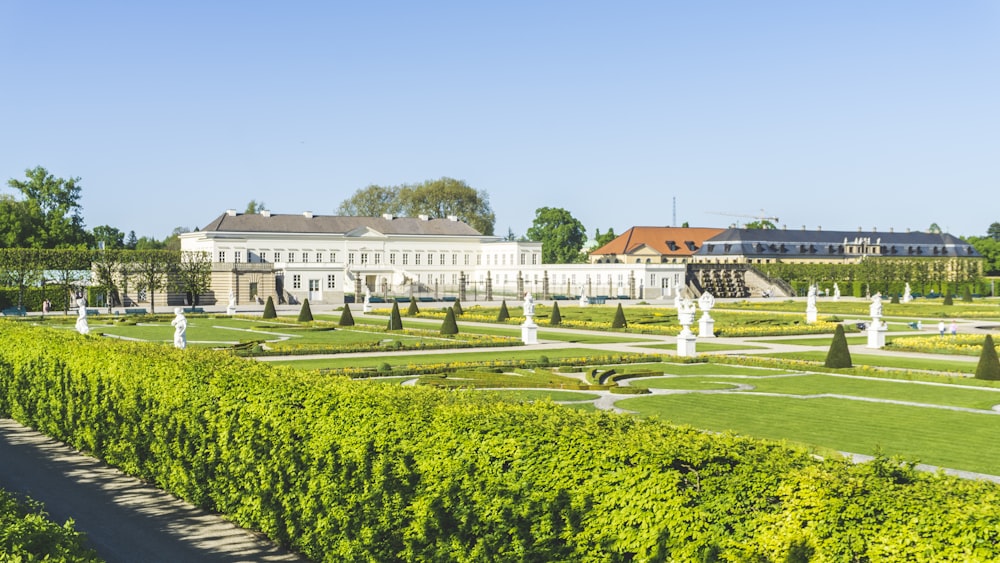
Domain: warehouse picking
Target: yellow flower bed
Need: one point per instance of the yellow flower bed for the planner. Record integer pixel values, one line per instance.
(961, 344)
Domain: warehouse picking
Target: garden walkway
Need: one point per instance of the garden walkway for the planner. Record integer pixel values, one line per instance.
(125, 519)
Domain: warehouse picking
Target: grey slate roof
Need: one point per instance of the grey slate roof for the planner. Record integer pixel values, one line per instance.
(800, 244)
(332, 224)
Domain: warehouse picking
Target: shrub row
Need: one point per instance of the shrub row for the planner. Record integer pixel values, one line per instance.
(27, 534)
(350, 471)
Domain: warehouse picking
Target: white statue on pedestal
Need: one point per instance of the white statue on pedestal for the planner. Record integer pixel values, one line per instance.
(907, 296)
(231, 308)
(811, 310)
(836, 292)
(180, 329)
(367, 307)
(81, 321)
(706, 325)
(686, 339)
(529, 330)
(875, 309)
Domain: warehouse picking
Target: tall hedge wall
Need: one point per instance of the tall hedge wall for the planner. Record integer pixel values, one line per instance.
(351, 471)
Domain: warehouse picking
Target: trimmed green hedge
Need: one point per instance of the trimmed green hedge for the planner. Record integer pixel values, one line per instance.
(350, 471)
(27, 534)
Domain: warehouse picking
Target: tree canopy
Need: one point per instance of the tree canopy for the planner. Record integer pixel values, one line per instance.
(48, 216)
(562, 235)
(436, 198)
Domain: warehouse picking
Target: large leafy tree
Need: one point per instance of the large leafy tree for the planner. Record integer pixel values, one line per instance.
(994, 231)
(562, 235)
(436, 198)
(372, 201)
(447, 196)
(112, 237)
(194, 275)
(50, 211)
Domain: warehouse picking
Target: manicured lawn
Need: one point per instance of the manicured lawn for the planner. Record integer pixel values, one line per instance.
(536, 395)
(959, 440)
(405, 358)
(900, 362)
(705, 346)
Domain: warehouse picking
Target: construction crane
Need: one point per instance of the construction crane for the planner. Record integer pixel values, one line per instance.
(762, 219)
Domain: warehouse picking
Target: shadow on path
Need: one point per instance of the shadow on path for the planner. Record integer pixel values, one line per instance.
(124, 518)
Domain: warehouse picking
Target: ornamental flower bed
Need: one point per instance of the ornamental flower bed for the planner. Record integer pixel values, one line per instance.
(960, 344)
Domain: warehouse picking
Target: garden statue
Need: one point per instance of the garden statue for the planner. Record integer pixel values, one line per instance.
(907, 296)
(231, 309)
(706, 325)
(529, 305)
(811, 310)
(81, 322)
(180, 329)
(875, 309)
(836, 292)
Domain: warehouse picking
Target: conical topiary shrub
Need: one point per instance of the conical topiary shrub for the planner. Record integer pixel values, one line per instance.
(412, 310)
(346, 318)
(895, 298)
(989, 365)
(269, 312)
(619, 321)
(839, 355)
(948, 300)
(457, 307)
(556, 317)
(395, 321)
(503, 315)
(449, 326)
(967, 295)
(305, 313)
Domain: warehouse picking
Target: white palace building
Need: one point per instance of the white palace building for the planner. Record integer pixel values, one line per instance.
(333, 260)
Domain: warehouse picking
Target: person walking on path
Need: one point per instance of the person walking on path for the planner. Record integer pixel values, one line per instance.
(954, 328)
(941, 328)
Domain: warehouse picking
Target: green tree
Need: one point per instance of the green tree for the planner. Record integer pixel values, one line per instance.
(254, 206)
(619, 320)
(988, 366)
(457, 306)
(151, 268)
(562, 235)
(21, 268)
(305, 313)
(112, 237)
(372, 201)
(602, 239)
(449, 326)
(447, 196)
(131, 241)
(555, 319)
(106, 266)
(395, 321)
(994, 231)
(346, 318)
(269, 312)
(412, 310)
(503, 314)
(50, 213)
(839, 355)
(193, 275)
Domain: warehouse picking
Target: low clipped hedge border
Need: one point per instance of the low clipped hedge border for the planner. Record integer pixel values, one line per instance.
(350, 471)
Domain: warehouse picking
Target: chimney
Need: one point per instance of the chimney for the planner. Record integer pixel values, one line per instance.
(819, 228)
(423, 217)
(231, 212)
(265, 213)
(453, 217)
(307, 214)
(387, 216)
(890, 229)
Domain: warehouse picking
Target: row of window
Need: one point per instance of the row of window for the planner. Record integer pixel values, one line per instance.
(367, 258)
(331, 282)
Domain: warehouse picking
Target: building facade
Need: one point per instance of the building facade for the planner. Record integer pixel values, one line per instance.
(334, 259)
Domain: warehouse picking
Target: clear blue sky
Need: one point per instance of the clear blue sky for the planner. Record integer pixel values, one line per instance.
(839, 114)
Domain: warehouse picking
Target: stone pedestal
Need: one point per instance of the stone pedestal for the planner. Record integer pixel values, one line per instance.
(529, 331)
(811, 314)
(230, 310)
(706, 327)
(367, 307)
(876, 334)
(686, 344)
